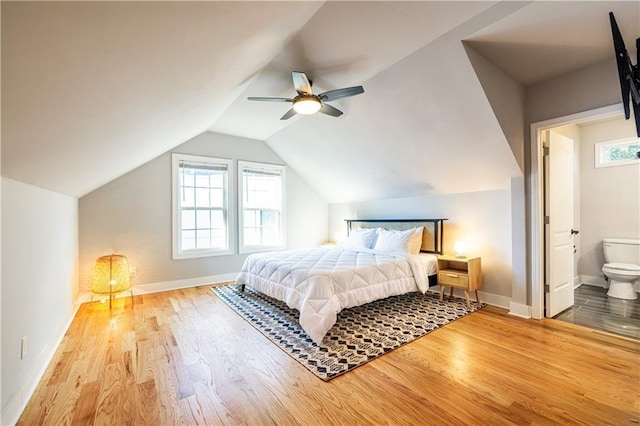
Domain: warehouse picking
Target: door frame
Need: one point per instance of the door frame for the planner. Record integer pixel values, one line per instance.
(536, 196)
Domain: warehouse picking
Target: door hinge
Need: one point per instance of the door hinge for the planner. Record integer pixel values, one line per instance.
(545, 151)
(547, 289)
(546, 220)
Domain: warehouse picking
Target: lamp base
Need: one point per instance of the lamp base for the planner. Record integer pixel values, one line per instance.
(112, 295)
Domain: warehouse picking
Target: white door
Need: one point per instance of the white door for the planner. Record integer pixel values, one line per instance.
(558, 231)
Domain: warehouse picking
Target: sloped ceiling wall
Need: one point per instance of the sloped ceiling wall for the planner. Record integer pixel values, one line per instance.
(343, 44)
(423, 127)
(507, 99)
(423, 138)
(92, 90)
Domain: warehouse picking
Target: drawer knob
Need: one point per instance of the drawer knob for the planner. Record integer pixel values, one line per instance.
(452, 275)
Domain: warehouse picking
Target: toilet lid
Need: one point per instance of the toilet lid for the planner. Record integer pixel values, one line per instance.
(623, 266)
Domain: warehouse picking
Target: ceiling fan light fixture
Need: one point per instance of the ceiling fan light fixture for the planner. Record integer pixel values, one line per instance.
(307, 104)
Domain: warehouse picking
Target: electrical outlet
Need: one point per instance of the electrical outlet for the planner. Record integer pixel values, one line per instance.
(23, 347)
(132, 271)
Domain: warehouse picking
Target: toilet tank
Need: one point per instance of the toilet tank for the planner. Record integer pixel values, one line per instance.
(621, 250)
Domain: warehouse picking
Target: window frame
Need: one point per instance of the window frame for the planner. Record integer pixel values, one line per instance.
(268, 167)
(600, 146)
(177, 252)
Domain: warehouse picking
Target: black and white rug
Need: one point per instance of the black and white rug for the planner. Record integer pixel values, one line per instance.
(361, 333)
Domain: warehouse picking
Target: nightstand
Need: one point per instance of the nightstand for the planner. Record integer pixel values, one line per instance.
(464, 273)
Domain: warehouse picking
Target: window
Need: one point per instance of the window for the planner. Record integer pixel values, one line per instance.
(618, 153)
(202, 214)
(261, 201)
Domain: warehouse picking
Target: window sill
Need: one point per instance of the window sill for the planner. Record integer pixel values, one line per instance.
(198, 254)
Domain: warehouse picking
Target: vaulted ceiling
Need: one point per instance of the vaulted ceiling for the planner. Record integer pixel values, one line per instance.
(91, 90)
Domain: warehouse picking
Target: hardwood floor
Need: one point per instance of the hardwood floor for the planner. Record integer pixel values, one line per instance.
(184, 357)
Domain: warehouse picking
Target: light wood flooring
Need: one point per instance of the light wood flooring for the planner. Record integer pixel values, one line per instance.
(184, 357)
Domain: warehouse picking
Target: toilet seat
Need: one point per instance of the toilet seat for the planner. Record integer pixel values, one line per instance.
(622, 268)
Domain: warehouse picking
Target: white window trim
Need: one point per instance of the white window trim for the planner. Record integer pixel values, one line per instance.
(177, 254)
(600, 145)
(283, 229)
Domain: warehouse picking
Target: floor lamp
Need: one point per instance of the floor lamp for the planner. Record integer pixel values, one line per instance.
(111, 276)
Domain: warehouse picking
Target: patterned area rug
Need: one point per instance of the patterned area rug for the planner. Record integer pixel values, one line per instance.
(361, 333)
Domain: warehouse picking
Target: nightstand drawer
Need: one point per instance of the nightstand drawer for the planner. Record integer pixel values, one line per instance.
(453, 279)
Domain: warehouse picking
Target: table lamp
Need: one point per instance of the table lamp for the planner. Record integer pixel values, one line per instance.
(460, 248)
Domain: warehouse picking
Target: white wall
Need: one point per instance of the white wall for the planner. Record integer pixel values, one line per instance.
(592, 87)
(39, 284)
(2, 404)
(518, 305)
(506, 97)
(481, 218)
(132, 215)
(610, 196)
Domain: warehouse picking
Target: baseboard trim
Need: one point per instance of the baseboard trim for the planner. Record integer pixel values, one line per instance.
(149, 288)
(515, 309)
(16, 405)
(488, 298)
(186, 283)
(594, 281)
(495, 300)
(520, 310)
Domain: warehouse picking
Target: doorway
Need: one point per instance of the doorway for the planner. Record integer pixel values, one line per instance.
(592, 307)
(537, 197)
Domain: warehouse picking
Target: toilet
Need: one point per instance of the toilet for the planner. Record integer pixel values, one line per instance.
(622, 267)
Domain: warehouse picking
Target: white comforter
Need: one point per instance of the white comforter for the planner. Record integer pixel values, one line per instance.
(321, 282)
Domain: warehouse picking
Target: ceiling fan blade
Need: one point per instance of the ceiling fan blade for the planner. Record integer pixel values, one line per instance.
(332, 95)
(329, 110)
(301, 83)
(288, 114)
(254, 98)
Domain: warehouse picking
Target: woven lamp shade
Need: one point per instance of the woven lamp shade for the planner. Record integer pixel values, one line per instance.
(111, 275)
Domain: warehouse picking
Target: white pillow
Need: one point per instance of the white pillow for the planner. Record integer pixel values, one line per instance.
(361, 238)
(408, 241)
(416, 240)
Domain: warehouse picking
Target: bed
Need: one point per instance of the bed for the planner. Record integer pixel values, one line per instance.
(380, 258)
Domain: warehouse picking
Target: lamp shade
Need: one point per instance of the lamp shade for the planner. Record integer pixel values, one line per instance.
(111, 275)
(460, 248)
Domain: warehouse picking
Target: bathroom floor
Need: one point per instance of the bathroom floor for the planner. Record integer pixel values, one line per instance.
(593, 309)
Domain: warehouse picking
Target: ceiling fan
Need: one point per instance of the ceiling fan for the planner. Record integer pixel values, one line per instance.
(307, 103)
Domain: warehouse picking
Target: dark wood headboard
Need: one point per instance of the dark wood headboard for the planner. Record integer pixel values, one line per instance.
(432, 235)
